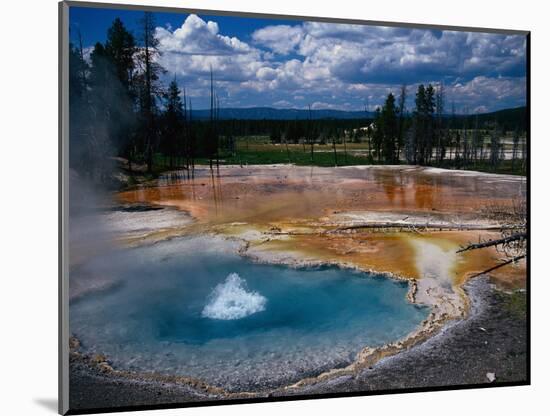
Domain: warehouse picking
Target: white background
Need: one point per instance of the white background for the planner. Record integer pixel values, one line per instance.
(28, 217)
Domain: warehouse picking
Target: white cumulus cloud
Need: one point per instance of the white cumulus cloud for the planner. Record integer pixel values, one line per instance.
(342, 66)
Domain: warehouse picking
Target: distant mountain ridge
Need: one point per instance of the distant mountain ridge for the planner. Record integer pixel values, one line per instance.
(269, 113)
(508, 118)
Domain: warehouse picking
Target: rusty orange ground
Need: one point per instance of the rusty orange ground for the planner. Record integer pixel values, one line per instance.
(302, 199)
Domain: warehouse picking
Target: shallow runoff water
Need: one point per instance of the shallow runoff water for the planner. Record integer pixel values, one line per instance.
(194, 307)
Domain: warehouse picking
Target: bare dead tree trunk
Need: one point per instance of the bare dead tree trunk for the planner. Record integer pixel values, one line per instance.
(498, 266)
(493, 243)
(287, 150)
(334, 149)
(515, 148)
(217, 135)
(309, 133)
(495, 148)
(345, 149)
(513, 243)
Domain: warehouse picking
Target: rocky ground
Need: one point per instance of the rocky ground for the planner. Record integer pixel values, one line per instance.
(491, 341)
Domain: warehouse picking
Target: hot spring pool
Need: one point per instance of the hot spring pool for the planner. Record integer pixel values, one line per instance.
(193, 307)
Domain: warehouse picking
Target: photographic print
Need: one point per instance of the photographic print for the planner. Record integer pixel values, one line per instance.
(261, 208)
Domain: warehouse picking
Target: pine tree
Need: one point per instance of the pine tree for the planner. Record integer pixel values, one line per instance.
(378, 134)
(401, 122)
(420, 125)
(389, 127)
(148, 88)
(78, 108)
(430, 125)
(121, 47)
(440, 133)
(173, 122)
(424, 124)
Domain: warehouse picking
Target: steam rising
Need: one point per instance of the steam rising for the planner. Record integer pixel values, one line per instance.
(230, 300)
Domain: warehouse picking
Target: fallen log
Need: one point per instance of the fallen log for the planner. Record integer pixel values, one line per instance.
(498, 266)
(416, 226)
(491, 243)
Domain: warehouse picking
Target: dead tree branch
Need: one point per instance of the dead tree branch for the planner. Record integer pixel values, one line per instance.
(491, 243)
(498, 266)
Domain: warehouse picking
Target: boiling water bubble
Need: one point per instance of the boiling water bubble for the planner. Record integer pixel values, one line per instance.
(230, 300)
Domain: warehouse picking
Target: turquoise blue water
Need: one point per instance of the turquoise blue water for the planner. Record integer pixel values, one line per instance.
(193, 308)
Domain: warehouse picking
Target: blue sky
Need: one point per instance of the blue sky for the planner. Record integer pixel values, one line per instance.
(293, 64)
